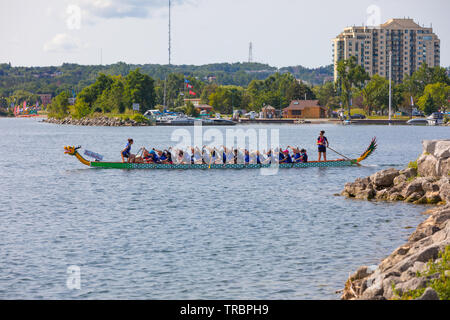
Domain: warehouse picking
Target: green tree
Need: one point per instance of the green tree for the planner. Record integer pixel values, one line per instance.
(207, 91)
(225, 98)
(114, 98)
(325, 93)
(376, 94)
(298, 91)
(81, 109)
(191, 110)
(427, 104)
(440, 93)
(59, 108)
(350, 75)
(3, 103)
(140, 89)
(424, 76)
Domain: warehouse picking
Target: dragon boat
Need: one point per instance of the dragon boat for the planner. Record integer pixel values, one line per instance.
(73, 151)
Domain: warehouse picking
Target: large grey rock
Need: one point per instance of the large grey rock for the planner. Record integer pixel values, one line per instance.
(442, 149)
(400, 179)
(409, 172)
(384, 178)
(443, 167)
(426, 165)
(429, 294)
(429, 146)
(444, 189)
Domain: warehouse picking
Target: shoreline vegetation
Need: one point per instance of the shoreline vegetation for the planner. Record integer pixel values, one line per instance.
(419, 269)
(354, 92)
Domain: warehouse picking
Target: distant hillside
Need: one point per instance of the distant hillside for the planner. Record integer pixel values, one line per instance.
(313, 76)
(75, 77)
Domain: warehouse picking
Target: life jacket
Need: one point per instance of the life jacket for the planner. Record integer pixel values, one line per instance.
(322, 140)
(297, 157)
(247, 158)
(128, 148)
(304, 158)
(258, 160)
(224, 157)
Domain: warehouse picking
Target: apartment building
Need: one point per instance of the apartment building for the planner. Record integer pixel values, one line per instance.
(411, 46)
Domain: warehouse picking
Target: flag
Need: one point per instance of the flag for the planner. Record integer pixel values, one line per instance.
(24, 104)
(412, 101)
(189, 86)
(192, 93)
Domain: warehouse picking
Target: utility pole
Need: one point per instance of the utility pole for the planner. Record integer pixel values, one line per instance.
(250, 53)
(170, 53)
(170, 31)
(390, 86)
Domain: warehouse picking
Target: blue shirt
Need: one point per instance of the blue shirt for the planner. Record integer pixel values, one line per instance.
(288, 158)
(127, 148)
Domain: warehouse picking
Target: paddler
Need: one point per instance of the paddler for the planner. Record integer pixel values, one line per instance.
(297, 154)
(322, 143)
(304, 156)
(126, 153)
(285, 157)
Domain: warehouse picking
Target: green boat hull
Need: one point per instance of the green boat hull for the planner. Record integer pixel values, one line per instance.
(117, 165)
(72, 151)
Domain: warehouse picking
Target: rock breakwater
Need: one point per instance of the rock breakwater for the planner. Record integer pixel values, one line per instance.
(426, 181)
(99, 121)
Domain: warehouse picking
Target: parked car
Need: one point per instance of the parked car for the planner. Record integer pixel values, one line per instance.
(358, 116)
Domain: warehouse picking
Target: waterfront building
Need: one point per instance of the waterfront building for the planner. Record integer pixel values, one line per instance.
(46, 99)
(304, 109)
(411, 46)
(195, 102)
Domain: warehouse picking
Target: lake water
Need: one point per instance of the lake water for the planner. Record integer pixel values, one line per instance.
(214, 234)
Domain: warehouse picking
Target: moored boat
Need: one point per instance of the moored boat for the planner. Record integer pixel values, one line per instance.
(73, 151)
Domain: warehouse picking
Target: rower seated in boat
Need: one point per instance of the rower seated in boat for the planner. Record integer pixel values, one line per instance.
(182, 157)
(147, 156)
(304, 156)
(297, 154)
(126, 153)
(285, 157)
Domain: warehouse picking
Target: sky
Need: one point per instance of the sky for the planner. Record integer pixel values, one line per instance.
(282, 32)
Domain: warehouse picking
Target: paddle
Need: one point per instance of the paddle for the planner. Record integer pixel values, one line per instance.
(210, 160)
(342, 155)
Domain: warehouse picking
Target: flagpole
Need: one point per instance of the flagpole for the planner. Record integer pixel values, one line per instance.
(390, 86)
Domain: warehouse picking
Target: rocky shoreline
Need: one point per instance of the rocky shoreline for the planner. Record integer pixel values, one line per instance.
(99, 122)
(403, 270)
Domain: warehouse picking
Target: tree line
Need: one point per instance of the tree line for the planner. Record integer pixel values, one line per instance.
(73, 77)
(429, 89)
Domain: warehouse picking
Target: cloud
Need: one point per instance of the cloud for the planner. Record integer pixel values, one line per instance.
(63, 42)
(118, 9)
